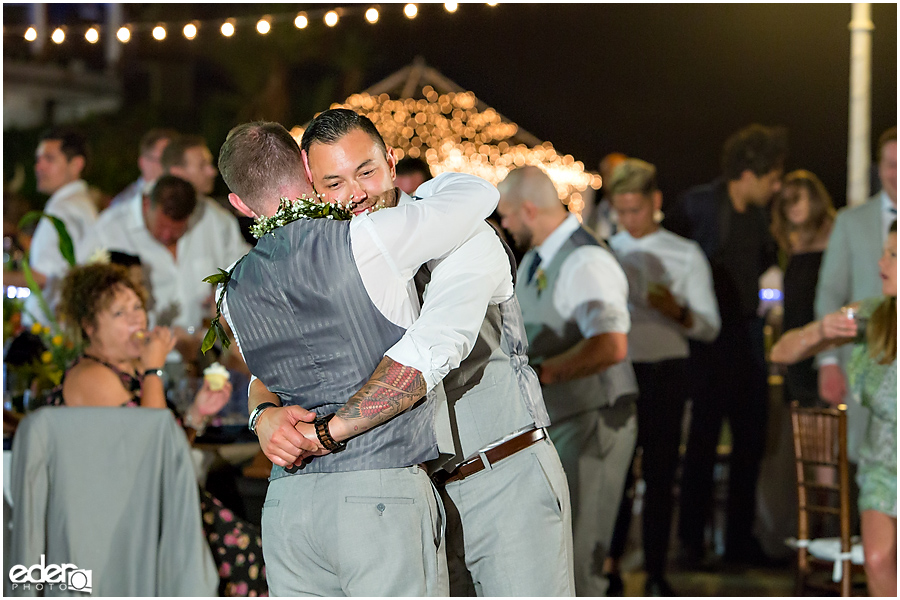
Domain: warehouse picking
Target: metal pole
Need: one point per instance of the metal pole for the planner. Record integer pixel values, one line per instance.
(38, 13)
(858, 152)
(112, 46)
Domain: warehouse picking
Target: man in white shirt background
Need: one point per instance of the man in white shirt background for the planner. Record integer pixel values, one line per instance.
(489, 552)
(179, 241)
(671, 300)
(149, 162)
(574, 298)
(60, 159)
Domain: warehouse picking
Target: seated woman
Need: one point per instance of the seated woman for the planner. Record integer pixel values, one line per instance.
(873, 375)
(122, 366)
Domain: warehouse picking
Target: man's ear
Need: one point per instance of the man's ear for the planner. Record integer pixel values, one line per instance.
(392, 162)
(657, 200)
(76, 166)
(239, 205)
(306, 168)
(529, 211)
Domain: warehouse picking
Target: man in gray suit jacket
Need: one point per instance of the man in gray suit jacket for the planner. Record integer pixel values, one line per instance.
(849, 273)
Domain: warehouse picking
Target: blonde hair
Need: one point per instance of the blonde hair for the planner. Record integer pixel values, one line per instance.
(821, 210)
(881, 332)
(633, 176)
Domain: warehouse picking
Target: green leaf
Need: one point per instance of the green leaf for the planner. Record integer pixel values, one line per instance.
(36, 290)
(209, 340)
(222, 335)
(66, 247)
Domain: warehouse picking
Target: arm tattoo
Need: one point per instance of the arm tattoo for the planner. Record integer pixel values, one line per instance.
(392, 389)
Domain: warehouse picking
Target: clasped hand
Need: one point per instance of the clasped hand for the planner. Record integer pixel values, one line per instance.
(287, 436)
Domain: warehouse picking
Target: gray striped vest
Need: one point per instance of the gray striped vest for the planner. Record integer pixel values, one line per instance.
(310, 332)
(549, 334)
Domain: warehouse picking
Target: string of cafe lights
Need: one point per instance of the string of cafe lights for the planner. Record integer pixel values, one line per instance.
(160, 31)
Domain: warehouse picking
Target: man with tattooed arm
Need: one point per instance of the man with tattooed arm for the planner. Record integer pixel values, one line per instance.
(323, 311)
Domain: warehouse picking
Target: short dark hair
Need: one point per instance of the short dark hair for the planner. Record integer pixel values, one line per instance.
(330, 126)
(174, 196)
(124, 259)
(73, 142)
(173, 155)
(756, 147)
(149, 139)
(256, 159)
(409, 165)
(888, 136)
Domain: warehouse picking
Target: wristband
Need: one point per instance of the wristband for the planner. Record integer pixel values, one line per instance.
(254, 416)
(157, 372)
(328, 442)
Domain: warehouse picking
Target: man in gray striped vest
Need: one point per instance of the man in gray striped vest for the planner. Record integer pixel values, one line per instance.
(509, 521)
(322, 314)
(574, 298)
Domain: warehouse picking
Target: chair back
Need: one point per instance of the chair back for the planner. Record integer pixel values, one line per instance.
(111, 493)
(823, 482)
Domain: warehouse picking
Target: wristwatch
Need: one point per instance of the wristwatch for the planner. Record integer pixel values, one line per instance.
(157, 372)
(254, 416)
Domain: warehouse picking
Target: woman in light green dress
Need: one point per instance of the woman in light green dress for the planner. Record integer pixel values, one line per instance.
(873, 376)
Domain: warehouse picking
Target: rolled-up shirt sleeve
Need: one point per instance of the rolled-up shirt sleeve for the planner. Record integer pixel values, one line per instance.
(592, 290)
(463, 284)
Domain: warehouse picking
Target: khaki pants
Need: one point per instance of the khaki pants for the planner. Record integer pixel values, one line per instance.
(360, 533)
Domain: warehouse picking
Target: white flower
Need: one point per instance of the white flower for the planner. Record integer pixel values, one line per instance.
(100, 256)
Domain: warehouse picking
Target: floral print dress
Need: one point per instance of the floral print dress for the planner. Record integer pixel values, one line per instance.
(236, 544)
(876, 385)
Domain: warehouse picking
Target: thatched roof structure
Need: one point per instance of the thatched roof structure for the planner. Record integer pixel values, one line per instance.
(421, 113)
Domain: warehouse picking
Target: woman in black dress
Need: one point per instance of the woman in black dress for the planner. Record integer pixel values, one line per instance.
(802, 218)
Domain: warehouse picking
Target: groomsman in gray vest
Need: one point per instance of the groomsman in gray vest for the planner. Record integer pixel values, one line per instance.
(849, 273)
(508, 521)
(574, 298)
(321, 311)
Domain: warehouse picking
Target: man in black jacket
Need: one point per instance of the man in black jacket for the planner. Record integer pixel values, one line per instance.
(727, 217)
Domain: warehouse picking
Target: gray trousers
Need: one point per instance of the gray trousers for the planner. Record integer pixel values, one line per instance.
(596, 450)
(360, 533)
(509, 528)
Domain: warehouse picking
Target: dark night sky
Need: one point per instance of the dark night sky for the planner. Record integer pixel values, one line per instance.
(663, 82)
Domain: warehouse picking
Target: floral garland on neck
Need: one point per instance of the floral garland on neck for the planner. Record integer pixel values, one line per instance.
(288, 212)
(301, 208)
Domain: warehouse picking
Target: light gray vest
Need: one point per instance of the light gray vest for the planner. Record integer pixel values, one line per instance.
(493, 392)
(550, 334)
(309, 331)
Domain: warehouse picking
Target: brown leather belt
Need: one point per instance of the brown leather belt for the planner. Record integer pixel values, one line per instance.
(495, 454)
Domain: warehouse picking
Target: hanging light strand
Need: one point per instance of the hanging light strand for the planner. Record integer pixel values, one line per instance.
(260, 25)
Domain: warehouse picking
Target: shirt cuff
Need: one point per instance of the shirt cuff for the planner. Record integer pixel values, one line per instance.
(827, 360)
(408, 354)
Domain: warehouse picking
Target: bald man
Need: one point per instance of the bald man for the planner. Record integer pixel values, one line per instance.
(574, 299)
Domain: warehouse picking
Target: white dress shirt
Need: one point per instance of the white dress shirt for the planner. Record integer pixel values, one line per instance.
(73, 205)
(213, 239)
(678, 263)
(469, 269)
(591, 289)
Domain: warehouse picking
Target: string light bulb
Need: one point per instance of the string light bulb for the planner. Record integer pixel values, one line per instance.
(301, 21)
(159, 33)
(123, 35)
(492, 3)
(264, 26)
(92, 35)
(58, 36)
(30, 34)
(331, 18)
(227, 28)
(190, 31)
(451, 6)
(411, 10)
(372, 15)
